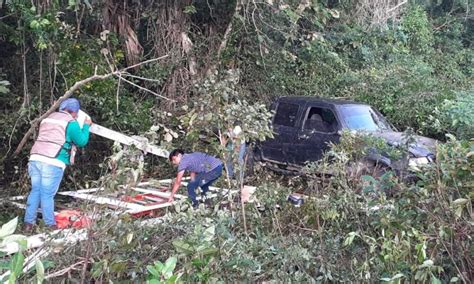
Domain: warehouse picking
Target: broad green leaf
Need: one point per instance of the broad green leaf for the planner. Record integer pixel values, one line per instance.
(12, 278)
(169, 267)
(153, 271)
(350, 238)
(16, 266)
(182, 247)
(370, 179)
(39, 272)
(8, 228)
(12, 238)
(159, 265)
(44, 22)
(172, 279)
(209, 233)
(34, 24)
(209, 251)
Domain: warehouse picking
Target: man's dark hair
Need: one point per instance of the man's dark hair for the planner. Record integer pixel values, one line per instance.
(175, 153)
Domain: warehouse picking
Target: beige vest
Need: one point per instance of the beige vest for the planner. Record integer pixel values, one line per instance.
(52, 135)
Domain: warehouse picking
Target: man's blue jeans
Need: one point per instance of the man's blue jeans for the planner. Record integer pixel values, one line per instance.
(203, 180)
(45, 180)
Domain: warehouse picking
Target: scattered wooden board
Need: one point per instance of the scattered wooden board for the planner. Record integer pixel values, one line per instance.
(127, 140)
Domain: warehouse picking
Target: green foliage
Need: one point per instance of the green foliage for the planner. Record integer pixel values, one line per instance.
(405, 70)
(221, 106)
(16, 262)
(163, 273)
(42, 28)
(198, 252)
(359, 145)
(454, 168)
(128, 110)
(392, 234)
(125, 166)
(416, 26)
(455, 115)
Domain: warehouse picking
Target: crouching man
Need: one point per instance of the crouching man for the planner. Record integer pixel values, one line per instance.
(54, 149)
(203, 169)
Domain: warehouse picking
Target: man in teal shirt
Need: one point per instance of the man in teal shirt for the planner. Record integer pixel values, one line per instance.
(54, 149)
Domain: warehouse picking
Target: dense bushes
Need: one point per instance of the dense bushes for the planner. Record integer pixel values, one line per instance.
(406, 69)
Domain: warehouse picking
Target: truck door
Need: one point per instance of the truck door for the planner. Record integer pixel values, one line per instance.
(319, 127)
(280, 149)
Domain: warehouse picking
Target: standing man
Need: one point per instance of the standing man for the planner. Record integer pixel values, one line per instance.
(53, 150)
(236, 147)
(204, 170)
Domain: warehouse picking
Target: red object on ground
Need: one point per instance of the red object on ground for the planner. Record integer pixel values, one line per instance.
(72, 218)
(145, 199)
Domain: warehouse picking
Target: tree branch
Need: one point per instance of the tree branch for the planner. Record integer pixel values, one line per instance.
(71, 91)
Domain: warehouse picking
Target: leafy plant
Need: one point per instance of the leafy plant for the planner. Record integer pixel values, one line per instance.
(416, 26)
(16, 262)
(198, 251)
(221, 107)
(455, 115)
(163, 272)
(125, 166)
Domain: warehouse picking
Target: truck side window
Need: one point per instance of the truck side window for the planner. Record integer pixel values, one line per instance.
(286, 114)
(320, 120)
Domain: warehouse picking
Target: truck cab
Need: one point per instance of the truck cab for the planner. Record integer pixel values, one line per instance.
(304, 127)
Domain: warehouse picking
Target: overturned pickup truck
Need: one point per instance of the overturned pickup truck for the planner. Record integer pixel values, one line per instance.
(305, 126)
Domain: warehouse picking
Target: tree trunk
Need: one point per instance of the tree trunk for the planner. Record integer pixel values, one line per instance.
(117, 19)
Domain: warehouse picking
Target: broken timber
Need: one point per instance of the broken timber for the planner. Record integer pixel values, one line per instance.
(127, 140)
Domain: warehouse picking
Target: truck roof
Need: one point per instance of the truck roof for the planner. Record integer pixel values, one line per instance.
(303, 99)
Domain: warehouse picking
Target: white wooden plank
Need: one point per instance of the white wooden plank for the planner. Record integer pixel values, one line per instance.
(127, 140)
(152, 207)
(153, 199)
(160, 181)
(87, 190)
(19, 205)
(103, 200)
(157, 193)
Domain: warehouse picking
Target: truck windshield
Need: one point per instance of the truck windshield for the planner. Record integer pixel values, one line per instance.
(360, 117)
